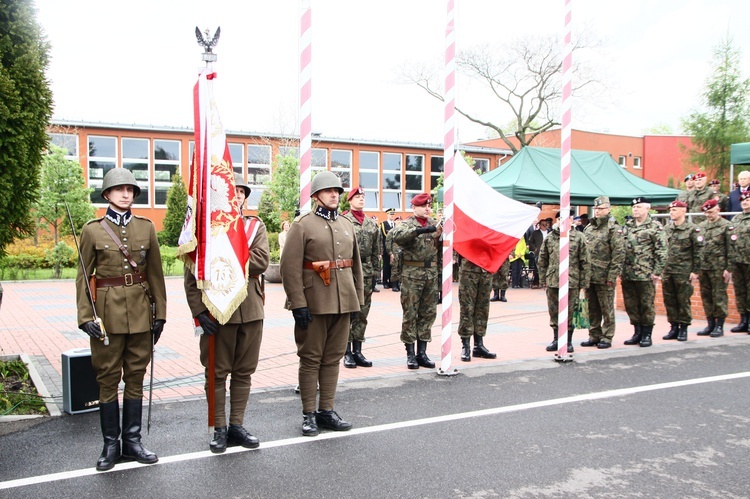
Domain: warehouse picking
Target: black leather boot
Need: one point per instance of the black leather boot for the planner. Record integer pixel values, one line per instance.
(496, 295)
(570, 340)
(330, 420)
(348, 359)
(673, 333)
(238, 435)
(636, 338)
(709, 329)
(411, 361)
(309, 424)
(682, 332)
(480, 350)
(422, 359)
(553, 346)
(742, 326)
(131, 433)
(719, 329)
(646, 335)
(359, 359)
(502, 295)
(218, 444)
(109, 417)
(396, 287)
(466, 349)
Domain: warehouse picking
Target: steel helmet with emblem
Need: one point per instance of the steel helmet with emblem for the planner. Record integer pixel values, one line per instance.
(325, 180)
(119, 176)
(240, 182)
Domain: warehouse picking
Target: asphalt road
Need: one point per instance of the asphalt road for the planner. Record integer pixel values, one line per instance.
(669, 422)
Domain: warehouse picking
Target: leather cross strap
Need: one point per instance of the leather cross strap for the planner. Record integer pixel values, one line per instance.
(119, 244)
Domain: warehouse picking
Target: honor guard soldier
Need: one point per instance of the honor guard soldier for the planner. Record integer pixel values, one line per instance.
(120, 254)
(418, 238)
(645, 256)
(680, 270)
(370, 246)
(237, 343)
(741, 269)
(605, 244)
(321, 272)
(474, 301)
(698, 196)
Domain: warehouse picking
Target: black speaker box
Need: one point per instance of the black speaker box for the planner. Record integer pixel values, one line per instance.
(80, 389)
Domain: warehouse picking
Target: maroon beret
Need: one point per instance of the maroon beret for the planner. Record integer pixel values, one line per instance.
(354, 192)
(709, 204)
(699, 175)
(714, 182)
(744, 195)
(421, 199)
(678, 204)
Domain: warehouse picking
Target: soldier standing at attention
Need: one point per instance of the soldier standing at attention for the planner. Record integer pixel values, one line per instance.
(645, 256)
(689, 186)
(500, 282)
(680, 270)
(717, 236)
(605, 245)
(237, 343)
(396, 259)
(741, 269)
(715, 187)
(549, 275)
(699, 195)
(368, 241)
(385, 228)
(474, 300)
(128, 283)
(321, 272)
(417, 237)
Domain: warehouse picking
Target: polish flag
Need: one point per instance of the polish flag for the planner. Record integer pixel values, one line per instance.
(487, 224)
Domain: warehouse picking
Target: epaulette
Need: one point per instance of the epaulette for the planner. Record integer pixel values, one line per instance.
(142, 217)
(94, 220)
(300, 217)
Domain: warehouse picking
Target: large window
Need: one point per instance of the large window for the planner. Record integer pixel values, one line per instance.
(414, 176)
(318, 160)
(436, 169)
(166, 164)
(68, 142)
(135, 157)
(258, 171)
(341, 165)
(102, 158)
(237, 153)
(369, 163)
(483, 165)
(392, 180)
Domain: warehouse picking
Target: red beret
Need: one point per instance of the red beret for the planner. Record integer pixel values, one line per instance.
(714, 182)
(354, 192)
(699, 175)
(709, 204)
(421, 199)
(678, 204)
(744, 195)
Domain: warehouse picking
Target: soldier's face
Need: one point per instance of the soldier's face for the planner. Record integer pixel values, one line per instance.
(328, 198)
(240, 193)
(700, 183)
(640, 211)
(745, 203)
(601, 211)
(690, 183)
(713, 214)
(121, 197)
(677, 214)
(357, 202)
(422, 211)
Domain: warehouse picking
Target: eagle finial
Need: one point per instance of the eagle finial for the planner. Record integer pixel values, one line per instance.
(207, 43)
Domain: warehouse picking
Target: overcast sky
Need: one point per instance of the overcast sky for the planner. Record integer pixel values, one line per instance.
(136, 62)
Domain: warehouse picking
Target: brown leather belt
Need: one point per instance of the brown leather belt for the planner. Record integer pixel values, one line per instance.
(418, 263)
(123, 280)
(335, 264)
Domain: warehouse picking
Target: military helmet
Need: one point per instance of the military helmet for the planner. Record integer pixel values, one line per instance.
(119, 176)
(326, 180)
(240, 182)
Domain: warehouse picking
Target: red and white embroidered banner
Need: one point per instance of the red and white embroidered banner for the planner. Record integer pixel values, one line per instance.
(213, 243)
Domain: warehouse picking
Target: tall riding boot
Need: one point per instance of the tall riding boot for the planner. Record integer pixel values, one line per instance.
(422, 358)
(357, 355)
(742, 327)
(682, 332)
(673, 333)
(466, 349)
(553, 346)
(709, 329)
(636, 338)
(348, 359)
(719, 329)
(131, 433)
(480, 350)
(502, 295)
(570, 340)
(411, 362)
(646, 335)
(109, 417)
(495, 295)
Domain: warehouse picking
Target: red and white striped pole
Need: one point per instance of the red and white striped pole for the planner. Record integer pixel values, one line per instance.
(562, 321)
(305, 111)
(449, 140)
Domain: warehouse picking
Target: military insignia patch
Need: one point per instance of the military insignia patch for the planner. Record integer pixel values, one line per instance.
(700, 239)
(734, 237)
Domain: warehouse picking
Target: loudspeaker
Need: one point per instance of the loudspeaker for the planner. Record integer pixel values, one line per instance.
(80, 389)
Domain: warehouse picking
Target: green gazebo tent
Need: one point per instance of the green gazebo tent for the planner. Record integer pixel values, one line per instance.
(740, 154)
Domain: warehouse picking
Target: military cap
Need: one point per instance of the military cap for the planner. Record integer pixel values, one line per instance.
(390, 210)
(678, 204)
(639, 200)
(689, 176)
(601, 200)
(421, 199)
(714, 182)
(744, 195)
(699, 175)
(557, 215)
(240, 182)
(709, 204)
(357, 190)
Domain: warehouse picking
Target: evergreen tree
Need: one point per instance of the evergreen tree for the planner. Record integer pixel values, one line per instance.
(25, 110)
(174, 219)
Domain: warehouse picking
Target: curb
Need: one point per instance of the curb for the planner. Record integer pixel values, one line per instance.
(49, 402)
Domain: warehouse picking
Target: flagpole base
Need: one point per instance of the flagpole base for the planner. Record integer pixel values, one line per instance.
(440, 372)
(568, 357)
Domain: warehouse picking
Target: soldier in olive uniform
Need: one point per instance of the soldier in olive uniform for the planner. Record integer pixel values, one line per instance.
(474, 300)
(606, 254)
(741, 268)
(321, 272)
(699, 195)
(237, 343)
(645, 256)
(418, 238)
(680, 270)
(715, 187)
(579, 273)
(716, 261)
(385, 227)
(500, 282)
(368, 240)
(395, 255)
(689, 186)
(131, 301)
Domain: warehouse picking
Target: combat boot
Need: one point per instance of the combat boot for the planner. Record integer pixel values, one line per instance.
(570, 340)
(309, 424)
(480, 350)
(131, 433)
(238, 435)
(682, 332)
(673, 333)
(359, 359)
(502, 295)
(348, 359)
(218, 444)
(742, 326)
(636, 338)
(466, 349)
(496, 295)
(709, 329)
(422, 359)
(109, 417)
(646, 335)
(411, 361)
(719, 329)
(553, 346)
(396, 287)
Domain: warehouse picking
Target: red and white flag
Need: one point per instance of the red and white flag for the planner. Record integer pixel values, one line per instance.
(213, 243)
(488, 225)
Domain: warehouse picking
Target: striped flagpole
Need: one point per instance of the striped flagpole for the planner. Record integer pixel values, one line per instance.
(562, 321)
(448, 157)
(305, 111)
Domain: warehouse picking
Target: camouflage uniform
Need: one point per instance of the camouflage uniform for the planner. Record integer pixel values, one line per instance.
(741, 269)
(683, 259)
(695, 201)
(395, 251)
(500, 278)
(716, 257)
(605, 245)
(368, 240)
(474, 300)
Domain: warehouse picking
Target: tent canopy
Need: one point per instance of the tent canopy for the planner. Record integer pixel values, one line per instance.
(740, 154)
(533, 174)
